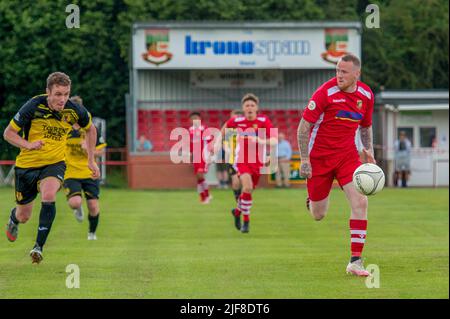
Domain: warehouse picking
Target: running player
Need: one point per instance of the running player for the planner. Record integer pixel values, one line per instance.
(78, 176)
(253, 134)
(40, 130)
(198, 151)
(326, 138)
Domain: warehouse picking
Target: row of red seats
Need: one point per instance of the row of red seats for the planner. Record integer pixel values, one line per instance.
(156, 125)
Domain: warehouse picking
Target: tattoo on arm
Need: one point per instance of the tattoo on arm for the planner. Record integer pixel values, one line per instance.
(367, 138)
(303, 138)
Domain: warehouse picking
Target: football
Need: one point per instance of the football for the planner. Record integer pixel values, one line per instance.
(368, 179)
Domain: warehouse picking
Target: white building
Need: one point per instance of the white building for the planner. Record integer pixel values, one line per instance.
(423, 115)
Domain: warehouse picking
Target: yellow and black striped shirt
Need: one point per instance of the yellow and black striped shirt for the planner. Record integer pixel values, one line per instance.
(36, 121)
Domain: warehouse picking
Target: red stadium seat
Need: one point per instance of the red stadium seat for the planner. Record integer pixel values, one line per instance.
(225, 114)
(172, 120)
(171, 112)
(213, 113)
(155, 113)
(294, 113)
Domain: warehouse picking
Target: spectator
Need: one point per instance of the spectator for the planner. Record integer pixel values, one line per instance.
(144, 145)
(284, 161)
(402, 149)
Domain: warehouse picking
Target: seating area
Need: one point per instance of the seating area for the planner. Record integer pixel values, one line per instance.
(156, 125)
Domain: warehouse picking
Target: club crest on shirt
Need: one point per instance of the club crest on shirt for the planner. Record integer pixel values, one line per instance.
(359, 104)
(255, 126)
(312, 105)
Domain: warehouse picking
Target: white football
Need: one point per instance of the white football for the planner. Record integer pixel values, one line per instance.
(368, 179)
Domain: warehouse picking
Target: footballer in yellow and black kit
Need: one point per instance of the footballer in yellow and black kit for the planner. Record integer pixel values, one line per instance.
(36, 121)
(78, 176)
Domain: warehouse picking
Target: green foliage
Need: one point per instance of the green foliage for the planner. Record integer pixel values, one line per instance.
(409, 51)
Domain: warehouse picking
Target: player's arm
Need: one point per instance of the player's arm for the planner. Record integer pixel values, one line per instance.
(99, 152)
(99, 149)
(85, 122)
(303, 130)
(21, 120)
(91, 138)
(12, 137)
(316, 106)
(367, 142)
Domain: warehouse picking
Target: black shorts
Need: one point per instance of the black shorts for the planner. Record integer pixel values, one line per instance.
(231, 170)
(27, 180)
(90, 187)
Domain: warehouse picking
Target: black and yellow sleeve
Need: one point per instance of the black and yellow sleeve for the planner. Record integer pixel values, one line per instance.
(84, 117)
(23, 118)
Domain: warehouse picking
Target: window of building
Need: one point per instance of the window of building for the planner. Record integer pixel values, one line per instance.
(427, 136)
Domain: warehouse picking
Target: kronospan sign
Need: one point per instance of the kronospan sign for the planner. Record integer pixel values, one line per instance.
(224, 49)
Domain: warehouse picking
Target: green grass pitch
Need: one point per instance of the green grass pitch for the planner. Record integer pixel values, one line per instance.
(164, 244)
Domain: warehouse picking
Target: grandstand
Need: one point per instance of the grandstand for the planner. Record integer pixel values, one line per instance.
(156, 125)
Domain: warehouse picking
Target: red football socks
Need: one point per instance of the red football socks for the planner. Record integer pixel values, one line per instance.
(358, 231)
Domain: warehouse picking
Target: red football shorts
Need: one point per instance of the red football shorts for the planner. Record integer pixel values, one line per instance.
(325, 170)
(201, 167)
(252, 169)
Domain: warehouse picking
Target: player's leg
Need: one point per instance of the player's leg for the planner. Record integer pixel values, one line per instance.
(235, 182)
(94, 215)
(19, 215)
(358, 217)
(319, 187)
(92, 191)
(72, 188)
(202, 186)
(51, 180)
(225, 177)
(243, 173)
(245, 201)
(318, 209)
(358, 229)
(25, 192)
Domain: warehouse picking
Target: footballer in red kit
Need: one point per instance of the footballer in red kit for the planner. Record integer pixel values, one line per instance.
(254, 133)
(199, 142)
(326, 137)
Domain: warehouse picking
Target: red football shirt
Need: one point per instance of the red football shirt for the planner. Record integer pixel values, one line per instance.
(247, 150)
(336, 116)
